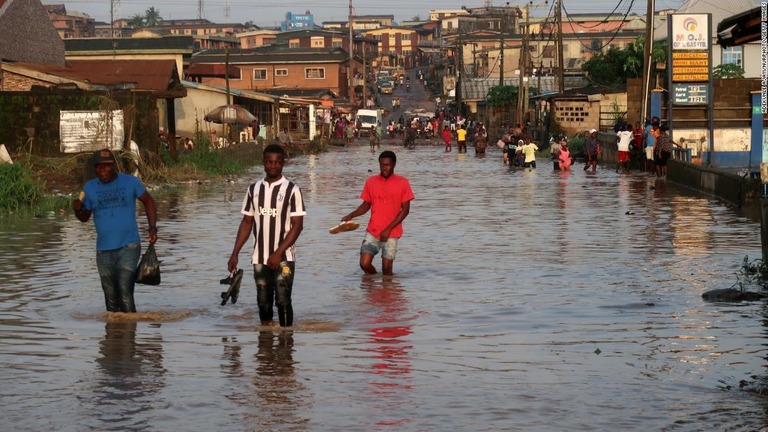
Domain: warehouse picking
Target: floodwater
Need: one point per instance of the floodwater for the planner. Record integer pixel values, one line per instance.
(523, 300)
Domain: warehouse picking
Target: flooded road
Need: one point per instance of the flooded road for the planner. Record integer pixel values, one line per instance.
(523, 300)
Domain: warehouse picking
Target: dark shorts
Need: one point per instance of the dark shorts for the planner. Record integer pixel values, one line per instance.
(662, 158)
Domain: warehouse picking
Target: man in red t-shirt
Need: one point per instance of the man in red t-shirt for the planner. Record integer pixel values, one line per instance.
(388, 196)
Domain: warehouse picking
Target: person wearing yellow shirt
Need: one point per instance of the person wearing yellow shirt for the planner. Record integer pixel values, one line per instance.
(529, 150)
(461, 138)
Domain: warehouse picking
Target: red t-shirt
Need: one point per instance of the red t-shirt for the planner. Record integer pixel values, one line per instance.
(386, 196)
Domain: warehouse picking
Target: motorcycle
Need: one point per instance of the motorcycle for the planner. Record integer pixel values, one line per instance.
(408, 87)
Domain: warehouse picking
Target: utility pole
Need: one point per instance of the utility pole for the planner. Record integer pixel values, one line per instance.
(459, 69)
(501, 50)
(365, 75)
(521, 94)
(351, 56)
(560, 61)
(647, 58)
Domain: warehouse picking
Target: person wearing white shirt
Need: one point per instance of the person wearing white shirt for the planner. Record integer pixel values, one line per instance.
(624, 137)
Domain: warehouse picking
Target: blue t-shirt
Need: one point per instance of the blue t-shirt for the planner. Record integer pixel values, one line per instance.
(114, 210)
(649, 138)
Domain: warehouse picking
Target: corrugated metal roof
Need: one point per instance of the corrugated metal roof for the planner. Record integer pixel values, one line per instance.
(237, 92)
(213, 70)
(154, 75)
(268, 57)
(166, 43)
(476, 89)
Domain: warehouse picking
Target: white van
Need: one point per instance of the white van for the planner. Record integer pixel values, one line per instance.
(367, 118)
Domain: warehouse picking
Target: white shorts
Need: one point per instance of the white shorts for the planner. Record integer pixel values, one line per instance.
(649, 153)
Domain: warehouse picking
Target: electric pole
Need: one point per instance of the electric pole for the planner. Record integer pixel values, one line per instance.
(458, 76)
(560, 61)
(351, 56)
(521, 96)
(647, 59)
(501, 50)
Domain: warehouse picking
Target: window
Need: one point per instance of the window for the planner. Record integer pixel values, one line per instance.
(406, 36)
(314, 73)
(549, 52)
(596, 45)
(259, 74)
(733, 55)
(281, 72)
(294, 44)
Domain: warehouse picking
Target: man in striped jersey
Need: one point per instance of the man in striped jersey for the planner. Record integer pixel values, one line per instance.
(273, 210)
(389, 197)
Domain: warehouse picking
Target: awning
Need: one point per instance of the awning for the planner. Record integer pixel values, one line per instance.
(739, 29)
(430, 50)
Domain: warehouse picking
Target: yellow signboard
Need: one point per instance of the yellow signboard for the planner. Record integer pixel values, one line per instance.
(704, 63)
(690, 77)
(689, 55)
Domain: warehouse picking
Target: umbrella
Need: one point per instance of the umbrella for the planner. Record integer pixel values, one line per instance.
(230, 114)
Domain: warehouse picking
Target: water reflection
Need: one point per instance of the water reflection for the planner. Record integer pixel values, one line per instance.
(132, 374)
(389, 342)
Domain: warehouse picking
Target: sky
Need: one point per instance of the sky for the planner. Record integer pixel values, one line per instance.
(271, 12)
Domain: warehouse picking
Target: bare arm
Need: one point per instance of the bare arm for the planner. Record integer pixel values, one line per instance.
(150, 208)
(359, 211)
(243, 232)
(81, 213)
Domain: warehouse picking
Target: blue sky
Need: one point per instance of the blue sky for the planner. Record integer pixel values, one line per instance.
(271, 12)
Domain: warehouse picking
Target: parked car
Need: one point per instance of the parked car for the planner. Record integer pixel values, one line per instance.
(386, 87)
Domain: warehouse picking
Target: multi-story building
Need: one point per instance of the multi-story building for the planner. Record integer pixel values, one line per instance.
(71, 24)
(257, 38)
(278, 69)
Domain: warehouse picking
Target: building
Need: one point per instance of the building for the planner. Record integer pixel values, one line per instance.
(278, 69)
(256, 38)
(71, 24)
(176, 48)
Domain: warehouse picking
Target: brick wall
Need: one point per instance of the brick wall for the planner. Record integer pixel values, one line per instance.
(16, 82)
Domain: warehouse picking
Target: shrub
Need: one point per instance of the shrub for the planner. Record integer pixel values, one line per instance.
(18, 189)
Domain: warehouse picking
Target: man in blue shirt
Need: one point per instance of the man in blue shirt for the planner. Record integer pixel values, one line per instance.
(111, 199)
(651, 132)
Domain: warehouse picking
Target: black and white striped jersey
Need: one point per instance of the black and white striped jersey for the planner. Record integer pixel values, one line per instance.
(272, 206)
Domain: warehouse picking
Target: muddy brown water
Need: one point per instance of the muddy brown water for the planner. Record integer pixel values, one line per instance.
(525, 300)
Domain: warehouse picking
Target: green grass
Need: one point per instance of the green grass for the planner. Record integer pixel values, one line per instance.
(19, 190)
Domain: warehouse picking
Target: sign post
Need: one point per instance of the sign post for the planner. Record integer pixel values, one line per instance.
(690, 71)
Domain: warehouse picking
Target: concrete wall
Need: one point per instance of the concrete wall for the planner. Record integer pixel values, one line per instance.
(733, 188)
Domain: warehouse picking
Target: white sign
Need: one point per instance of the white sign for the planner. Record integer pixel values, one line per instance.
(82, 131)
(690, 32)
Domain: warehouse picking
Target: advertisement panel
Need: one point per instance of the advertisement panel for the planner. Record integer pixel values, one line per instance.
(83, 131)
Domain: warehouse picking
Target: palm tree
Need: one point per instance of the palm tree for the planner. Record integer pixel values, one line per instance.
(152, 17)
(136, 21)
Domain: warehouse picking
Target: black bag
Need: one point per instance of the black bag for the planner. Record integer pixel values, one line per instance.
(148, 271)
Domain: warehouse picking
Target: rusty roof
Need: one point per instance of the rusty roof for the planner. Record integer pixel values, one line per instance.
(148, 75)
(215, 70)
(156, 75)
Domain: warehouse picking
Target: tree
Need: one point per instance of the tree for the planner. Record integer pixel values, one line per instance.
(502, 95)
(616, 65)
(152, 17)
(416, 18)
(137, 21)
(728, 71)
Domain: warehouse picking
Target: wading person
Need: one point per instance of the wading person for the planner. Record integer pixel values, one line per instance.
(273, 210)
(111, 199)
(388, 196)
(591, 150)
